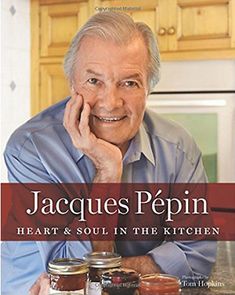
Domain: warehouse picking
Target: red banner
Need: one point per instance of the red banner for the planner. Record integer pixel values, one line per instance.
(118, 211)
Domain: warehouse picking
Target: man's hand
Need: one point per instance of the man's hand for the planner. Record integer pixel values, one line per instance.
(41, 286)
(106, 157)
(142, 264)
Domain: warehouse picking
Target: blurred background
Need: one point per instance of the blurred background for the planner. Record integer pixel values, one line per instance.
(197, 45)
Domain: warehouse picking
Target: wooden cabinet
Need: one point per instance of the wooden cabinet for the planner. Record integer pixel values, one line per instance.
(185, 29)
(197, 29)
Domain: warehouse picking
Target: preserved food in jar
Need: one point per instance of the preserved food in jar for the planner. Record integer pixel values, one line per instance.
(159, 284)
(100, 262)
(120, 282)
(68, 276)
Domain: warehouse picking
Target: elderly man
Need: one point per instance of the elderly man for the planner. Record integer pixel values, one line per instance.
(104, 134)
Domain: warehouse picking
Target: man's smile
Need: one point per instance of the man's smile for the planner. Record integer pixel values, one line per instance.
(109, 119)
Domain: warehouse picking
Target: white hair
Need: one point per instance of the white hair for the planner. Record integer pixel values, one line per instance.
(120, 28)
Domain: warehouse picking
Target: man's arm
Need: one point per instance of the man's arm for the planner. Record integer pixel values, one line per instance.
(24, 166)
(187, 258)
(143, 264)
(107, 159)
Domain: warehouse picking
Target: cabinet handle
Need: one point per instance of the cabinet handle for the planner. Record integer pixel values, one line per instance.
(171, 31)
(162, 32)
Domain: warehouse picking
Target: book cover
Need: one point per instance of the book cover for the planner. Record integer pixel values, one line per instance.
(103, 157)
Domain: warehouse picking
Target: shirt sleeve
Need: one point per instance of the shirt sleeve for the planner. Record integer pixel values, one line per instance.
(185, 258)
(25, 167)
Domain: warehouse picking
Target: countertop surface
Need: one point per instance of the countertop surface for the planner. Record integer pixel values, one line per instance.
(222, 279)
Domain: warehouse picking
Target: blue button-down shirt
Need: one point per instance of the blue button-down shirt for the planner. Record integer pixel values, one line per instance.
(41, 151)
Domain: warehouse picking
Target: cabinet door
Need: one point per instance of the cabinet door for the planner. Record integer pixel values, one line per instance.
(59, 23)
(201, 25)
(53, 85)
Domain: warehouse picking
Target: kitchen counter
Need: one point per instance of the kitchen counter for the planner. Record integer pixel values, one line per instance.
(222, 279)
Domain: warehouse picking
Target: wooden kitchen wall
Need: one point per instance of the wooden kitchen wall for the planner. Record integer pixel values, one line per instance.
(185, 29)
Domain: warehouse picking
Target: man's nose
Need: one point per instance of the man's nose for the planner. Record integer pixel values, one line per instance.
(111, 98)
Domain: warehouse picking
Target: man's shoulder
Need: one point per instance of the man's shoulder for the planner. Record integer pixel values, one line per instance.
(164, 130)
(41, 125)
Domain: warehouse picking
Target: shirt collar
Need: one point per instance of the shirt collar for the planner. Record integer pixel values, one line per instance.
(140, 144)
(146, 145)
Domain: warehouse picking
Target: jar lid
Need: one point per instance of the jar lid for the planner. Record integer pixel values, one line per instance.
(67, 266)
(103, 259)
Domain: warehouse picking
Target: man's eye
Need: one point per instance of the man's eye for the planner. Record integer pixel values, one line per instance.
(130, 84)
(93, 81)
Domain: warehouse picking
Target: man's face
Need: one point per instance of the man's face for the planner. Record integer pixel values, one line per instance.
(113, 80)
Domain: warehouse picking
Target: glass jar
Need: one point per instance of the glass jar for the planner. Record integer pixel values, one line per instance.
(159, 284)
(68, 276)
(120, 281)
(100, 262)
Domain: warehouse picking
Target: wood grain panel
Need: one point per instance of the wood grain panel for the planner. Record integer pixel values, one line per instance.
(59, 23)
(53, 86)
(203, 25)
